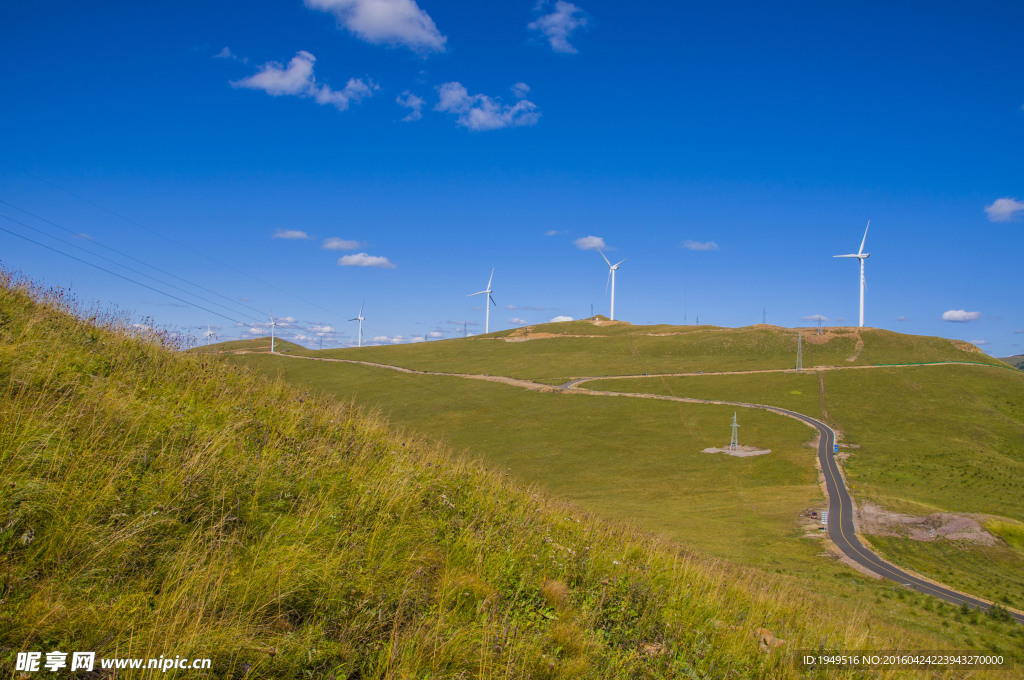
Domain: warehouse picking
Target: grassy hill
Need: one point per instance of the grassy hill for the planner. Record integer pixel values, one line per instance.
(559, 351)
(159, 503)
(643, 460)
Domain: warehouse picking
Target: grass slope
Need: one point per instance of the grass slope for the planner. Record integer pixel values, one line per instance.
(165, 504)
(641, 459)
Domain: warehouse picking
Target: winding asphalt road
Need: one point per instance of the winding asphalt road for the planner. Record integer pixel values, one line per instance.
(841, 529)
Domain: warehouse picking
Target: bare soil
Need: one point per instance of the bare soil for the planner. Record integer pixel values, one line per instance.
(741, 452)
(875, 520)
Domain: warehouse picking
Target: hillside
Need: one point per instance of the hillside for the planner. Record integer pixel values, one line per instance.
(163, 503)
(559, 351)
(642, 460)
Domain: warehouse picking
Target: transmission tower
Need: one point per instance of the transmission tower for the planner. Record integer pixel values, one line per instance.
(734, 441)
(819, 324)
(799, 352)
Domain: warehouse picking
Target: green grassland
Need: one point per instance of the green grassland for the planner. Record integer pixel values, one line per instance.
(630, 459)
(582, 349)
(641, 459)
(798, 392)
(928, 439)
(165, 503)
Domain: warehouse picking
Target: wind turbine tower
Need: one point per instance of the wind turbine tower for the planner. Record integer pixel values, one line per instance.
(612, 268)
(861, 255)
(734, 441)
(360, 319)
(488, 301)
(273, 325)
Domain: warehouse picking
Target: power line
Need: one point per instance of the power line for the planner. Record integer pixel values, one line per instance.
(130, 280)
(130, 257)
(114, 262)
(180, 245)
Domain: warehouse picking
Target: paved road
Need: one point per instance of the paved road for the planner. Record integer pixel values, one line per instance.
(841, 529)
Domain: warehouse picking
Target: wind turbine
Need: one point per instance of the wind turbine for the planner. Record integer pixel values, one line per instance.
(861, 255)
(273, 324)
(487, 305)
(612, 268)
(360, 319)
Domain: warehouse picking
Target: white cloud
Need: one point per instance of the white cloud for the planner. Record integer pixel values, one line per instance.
(365, 260)
(979, 343)
(228, 54)
(290, 233)
(591, 243)
(520, 90)
(901, 318)
(815, 317)
(335, 243)
(286, 319)
(699, 245)
(413, 103)
(1003, 209)
(559, 24)
(435, 334)
(256, 331)
(322, 329)
(516, 320)
(297, 80)
(554, 232)
(388, 22)
(418, 338)
(960, 316)
(557, 319)
(479, 112)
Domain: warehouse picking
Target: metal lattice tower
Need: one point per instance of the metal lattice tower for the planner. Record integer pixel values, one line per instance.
(799, 352)
(734, 441)
(819, 324)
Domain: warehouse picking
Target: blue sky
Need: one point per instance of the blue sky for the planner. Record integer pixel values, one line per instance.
(726, 150)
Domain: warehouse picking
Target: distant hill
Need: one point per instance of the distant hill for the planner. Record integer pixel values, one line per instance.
(1016, 361)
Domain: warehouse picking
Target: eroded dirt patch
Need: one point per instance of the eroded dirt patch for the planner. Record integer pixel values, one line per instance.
(740, 452)
(875, 520)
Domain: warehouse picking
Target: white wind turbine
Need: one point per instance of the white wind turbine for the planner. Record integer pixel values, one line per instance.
(488, 301)
(360, 319)
(209, 334)
(861, 255)
(612, 268)
(273, 324)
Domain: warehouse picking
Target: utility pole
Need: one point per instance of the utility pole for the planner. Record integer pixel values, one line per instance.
(465, 329)
(734, 441)
(799, 352)
(764, 315)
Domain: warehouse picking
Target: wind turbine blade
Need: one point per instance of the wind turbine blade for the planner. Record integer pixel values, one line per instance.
(846, 256)
(490, 279)
(864, 239)
(605, 258)
(618, 263)
(361, 307)
(492, 301)
(607, 281)
(480, 293)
